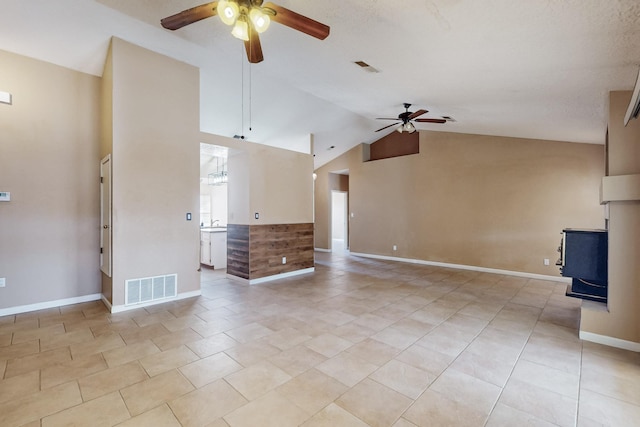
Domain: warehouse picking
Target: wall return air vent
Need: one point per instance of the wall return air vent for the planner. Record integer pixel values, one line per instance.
(148, 289)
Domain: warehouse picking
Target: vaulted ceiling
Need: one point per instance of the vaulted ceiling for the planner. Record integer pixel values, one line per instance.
(537, 69)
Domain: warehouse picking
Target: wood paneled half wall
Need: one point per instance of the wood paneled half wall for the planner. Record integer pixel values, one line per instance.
(257, 251)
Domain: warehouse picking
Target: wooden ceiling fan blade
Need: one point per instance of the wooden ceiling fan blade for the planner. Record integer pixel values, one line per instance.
(253, 47)
(298, 22)
(430, 120)
(392, 124)
(190, 16)
(417, 114)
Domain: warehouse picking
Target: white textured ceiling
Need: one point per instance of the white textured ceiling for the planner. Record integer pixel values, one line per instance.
(532, 69)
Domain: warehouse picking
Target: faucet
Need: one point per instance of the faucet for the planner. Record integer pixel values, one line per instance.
(214, 221)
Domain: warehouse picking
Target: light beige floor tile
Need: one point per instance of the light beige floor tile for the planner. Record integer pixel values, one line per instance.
(413, 327)
(328, 344)
(183, 322)
(297, 360)
(250, 332)
(204, 405)
(434, 409)
(251, 353)
(19, 350)
(258, 379)
(403, 378)
(374, 403)
(553, 352)
(110, 380)
(544, 404)
(272, 409)
(157, 417)
(485, 367)
(625, 388)
(35, 362)
(332, 416)
(353, 332)
(403, 423)
(549, 378)
(162, 362)
(98, 345)
(37, 333)
(130, 353)
(114, 326)
(5, 340)
(210, 369)
(607, 411)
(19, 386)
(71, 370)
(374, 351)
(149, 332)
(3, 366)
(610, 352)
(155, 391)
(287, 338)
(441, 340)
(371, 321)
(55, 341)
(463, 388)
(38, 405)
(481, 310)
(347, 368)
(212, 345)
(162, 315)
(506, 416)
(396, 337)
(312, 390)
(176, 339)
(426, 359)
(106, 411)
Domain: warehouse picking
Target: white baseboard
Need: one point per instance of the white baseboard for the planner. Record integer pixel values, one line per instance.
(48, 304)
(321, 250)
(610, 341)
(270, 278)
(467, 267)
(121, 308)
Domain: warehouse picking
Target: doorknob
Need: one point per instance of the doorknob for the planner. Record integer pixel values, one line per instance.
(105, 226)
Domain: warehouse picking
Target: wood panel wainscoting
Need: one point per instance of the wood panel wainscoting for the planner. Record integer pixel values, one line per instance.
(256, 251)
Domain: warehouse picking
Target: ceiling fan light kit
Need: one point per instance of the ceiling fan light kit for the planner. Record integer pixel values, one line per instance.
(248, 18)
(406, 118)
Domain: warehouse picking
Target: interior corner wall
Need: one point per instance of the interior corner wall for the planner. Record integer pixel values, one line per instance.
(155, 163)
(621, 320)
(106, 140)
(50, 163)
(483, 201)
(327, 181)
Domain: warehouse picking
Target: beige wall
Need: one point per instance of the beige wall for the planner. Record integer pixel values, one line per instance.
(622, 320)
(50, 162)
(483, 201)
(155, 168)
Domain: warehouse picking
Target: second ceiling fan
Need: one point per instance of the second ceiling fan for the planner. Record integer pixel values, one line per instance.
(404, 120)
(248, 18)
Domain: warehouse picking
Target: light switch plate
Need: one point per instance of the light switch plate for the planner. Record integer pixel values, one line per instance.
(5, 196)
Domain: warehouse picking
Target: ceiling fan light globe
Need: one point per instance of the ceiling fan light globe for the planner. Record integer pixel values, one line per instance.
(228, 11)
(400, 128)
(260, 20)
(241, 30)
(409, 127)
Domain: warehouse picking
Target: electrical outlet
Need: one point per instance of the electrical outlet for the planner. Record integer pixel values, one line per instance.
(3, 282)
(257, 215)
(284, 259)
(395, 248)
(546, 261)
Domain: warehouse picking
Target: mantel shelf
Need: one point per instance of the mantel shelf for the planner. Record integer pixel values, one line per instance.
(620, 188)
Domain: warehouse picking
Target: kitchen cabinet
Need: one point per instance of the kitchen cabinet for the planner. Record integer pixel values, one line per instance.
(213, 248)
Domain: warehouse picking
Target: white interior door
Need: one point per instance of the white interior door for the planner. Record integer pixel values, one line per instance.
(105, 215)
(339, 227)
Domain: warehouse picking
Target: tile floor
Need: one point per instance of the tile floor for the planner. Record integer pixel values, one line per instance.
(358, 343)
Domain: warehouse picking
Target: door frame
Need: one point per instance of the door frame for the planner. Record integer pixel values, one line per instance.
(105, 215)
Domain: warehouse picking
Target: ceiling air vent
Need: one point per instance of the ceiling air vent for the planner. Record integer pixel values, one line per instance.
(366, 66)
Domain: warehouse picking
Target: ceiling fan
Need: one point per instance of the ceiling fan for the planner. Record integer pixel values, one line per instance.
(248, 18)
(405, 119)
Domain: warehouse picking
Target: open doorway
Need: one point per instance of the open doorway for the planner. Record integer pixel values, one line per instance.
(213, 207)
(339, 221)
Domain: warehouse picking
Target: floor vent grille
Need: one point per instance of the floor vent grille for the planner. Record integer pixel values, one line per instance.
(146, 289)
